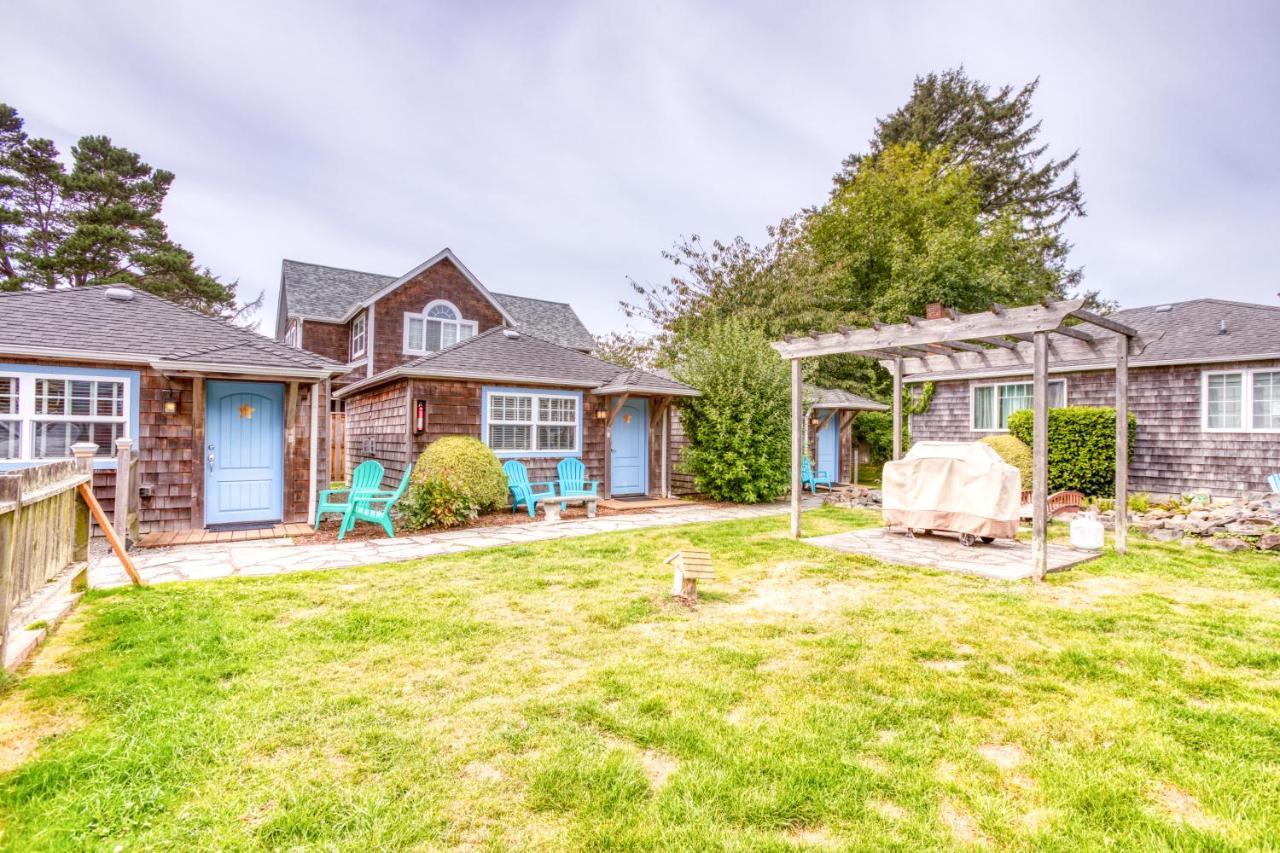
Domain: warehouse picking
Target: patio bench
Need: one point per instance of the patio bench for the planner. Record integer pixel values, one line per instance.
(552, 503)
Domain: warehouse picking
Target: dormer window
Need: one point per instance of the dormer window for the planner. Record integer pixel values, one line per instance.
(358, 335)
(439, 325)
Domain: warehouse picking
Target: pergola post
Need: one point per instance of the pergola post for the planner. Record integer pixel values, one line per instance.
(897, 409)
(1122, 444)
(797, 445)
(1040, 459)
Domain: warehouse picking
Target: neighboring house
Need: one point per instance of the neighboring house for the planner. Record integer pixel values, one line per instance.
(1205, 392)
(230, 426)
(434, 353)
(831, 430)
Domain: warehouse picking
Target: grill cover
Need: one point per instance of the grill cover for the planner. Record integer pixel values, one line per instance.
(961, 486)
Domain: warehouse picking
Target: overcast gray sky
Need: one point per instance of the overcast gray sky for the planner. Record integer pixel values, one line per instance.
(558, 147)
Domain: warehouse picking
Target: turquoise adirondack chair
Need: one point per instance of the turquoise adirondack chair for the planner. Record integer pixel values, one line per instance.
(1274, 482)
(375, 507)
(813, 479)
(366, 478)
(571, 478)
(522, 491)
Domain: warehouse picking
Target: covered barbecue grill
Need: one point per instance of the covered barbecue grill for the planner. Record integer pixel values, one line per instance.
(958, 486)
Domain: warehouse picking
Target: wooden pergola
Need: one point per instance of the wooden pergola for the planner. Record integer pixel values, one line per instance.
(1000, 339)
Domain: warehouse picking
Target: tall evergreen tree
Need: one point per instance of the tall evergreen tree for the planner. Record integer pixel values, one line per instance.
(97, 224)
(996, 135)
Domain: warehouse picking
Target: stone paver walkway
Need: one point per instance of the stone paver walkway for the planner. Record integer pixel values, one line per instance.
(1000, 560)
(281, 556)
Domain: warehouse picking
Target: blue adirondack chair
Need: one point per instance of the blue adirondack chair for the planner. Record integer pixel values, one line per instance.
(813, 479)
(375, 507)
(522, 491)
(366, 478)
(571, 479)
(1274, 482)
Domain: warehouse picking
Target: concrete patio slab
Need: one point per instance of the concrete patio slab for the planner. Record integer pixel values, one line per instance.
(1000, 560)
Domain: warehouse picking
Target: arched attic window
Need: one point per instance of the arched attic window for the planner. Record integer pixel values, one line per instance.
(439, 325)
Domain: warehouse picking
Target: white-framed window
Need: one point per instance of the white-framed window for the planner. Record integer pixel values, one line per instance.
(358, 335)
(44, 412)
(991, 405)
(439, 325)
(1240, 400)
(293, 336)
(531, 423)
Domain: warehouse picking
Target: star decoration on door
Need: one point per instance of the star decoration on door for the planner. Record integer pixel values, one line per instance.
(246, 411)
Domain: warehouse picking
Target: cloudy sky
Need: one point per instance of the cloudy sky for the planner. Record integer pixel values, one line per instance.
(559, 147)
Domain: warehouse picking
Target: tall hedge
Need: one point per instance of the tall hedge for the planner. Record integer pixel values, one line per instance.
(739, 443)
(1082, 447)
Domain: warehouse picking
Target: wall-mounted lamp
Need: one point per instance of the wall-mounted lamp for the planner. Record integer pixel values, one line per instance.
(601, 414)
(170, 406)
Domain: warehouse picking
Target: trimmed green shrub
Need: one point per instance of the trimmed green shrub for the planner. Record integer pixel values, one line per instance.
(1082, 447)
(436, 503)
(876, 429)
(467, 466)
(1015, 452)
(739, 443)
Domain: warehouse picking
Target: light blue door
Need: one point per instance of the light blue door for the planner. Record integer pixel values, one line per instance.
(828, 450)
(244, 452)
(629, 471)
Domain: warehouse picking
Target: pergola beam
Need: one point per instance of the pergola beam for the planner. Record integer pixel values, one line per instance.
(1104, 323)
(1029, 319)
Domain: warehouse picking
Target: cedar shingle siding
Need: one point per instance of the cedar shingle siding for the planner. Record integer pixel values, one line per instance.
(1171, 455)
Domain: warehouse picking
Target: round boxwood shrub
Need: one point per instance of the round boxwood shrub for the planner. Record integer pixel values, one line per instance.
(467, 467)
(1082, 447)
(1015, 452)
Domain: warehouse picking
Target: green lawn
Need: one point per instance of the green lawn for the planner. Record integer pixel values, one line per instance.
(552, 696)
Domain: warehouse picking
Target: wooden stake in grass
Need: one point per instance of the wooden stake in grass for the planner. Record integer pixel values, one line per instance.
(691, 566)
(86, 493)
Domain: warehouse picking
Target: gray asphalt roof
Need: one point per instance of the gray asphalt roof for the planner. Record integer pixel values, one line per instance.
(506, 355)
(835, 398)
(86, 320)
(1191, 333)
(329, 293)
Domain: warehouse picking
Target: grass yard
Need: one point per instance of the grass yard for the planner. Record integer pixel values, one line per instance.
(552, 696)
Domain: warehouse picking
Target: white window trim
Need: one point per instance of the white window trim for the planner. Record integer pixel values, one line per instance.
(1246, 400)
(422, 315)
(27, 416)
(995, 400)
(291, 337)
(359, 332)
(533, 423)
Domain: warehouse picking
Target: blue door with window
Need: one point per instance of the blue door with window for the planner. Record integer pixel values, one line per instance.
(828, 449)
(244, 452)
(629, 471)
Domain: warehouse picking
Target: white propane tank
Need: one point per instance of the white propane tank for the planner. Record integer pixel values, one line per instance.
(1086, 532)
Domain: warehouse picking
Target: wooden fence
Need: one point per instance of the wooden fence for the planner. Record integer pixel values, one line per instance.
(45, 521)
(337, 447)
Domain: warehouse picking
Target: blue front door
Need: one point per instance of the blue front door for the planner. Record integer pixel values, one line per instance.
(828, 450)
(629, 472)
(244, 452)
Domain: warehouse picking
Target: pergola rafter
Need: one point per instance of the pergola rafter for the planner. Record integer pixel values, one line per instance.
(982, 340)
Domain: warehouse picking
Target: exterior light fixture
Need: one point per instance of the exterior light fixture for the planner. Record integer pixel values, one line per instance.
(171, 402)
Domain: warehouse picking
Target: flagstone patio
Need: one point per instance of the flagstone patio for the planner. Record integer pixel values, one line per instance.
(999, 560)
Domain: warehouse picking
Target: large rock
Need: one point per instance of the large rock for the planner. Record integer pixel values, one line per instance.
(1229, 544)
(1270, 542)
(1164, 534)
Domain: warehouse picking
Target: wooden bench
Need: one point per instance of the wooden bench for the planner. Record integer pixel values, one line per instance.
(551, 504)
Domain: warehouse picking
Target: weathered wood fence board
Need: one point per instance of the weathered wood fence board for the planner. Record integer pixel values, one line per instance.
(337, 446)
(44, 527)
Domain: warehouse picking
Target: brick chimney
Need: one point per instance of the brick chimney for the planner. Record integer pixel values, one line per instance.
(934, 311)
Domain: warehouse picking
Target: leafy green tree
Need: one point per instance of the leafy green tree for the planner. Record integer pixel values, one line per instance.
(626, 349)
(97, 224)
(995, 134)
(909, 229)
(739, 441)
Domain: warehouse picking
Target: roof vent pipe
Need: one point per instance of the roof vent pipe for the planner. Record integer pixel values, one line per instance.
(1222, 327)
(119, 294)
(510, 333)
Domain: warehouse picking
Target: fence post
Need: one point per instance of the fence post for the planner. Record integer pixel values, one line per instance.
(10, 490)
(124, 474)
(83, 452)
